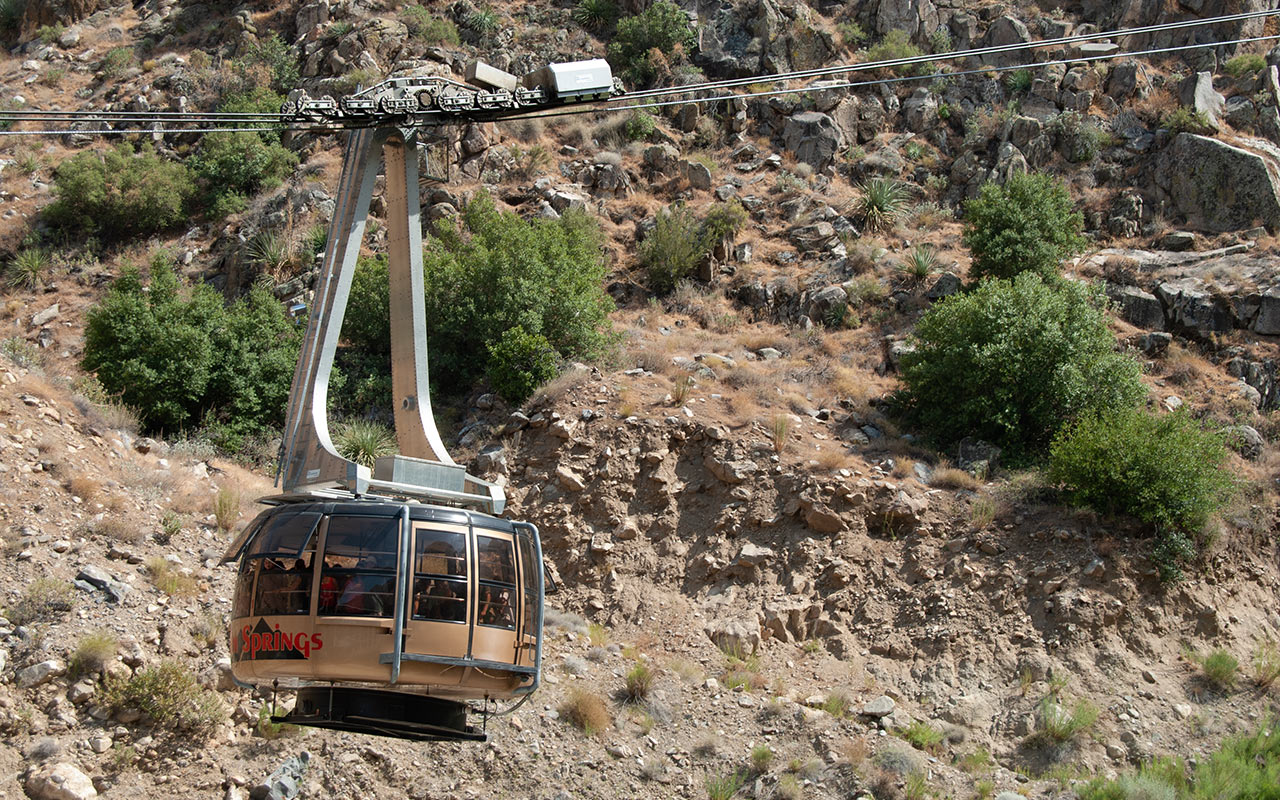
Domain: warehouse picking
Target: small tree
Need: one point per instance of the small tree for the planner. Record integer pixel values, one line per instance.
(1012, 361)
(232, 165)
(520, 362)
(660, 30)
(1028, 224)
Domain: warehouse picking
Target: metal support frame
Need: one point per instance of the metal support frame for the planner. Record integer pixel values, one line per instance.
(309, 462)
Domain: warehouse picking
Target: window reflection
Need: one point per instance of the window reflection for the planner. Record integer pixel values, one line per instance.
(359, 574)
(440, 576)
(497, 574)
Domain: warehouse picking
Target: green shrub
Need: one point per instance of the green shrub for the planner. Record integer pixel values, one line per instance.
(1245, 64)
(1165, 470)
(1028, 224)
(520, 362)
(851, 34)
(639, 126)
(256, 100)
(233, 165)
(1186, 120)
(426, 27)
(11, 12)
(44, 600)
(483, 21)
(662, 27)
(923, 736)
(180, 358)
(723, 786)
(1245, 767)
(895, 45)
(595, 15)
(920, 263)
(761, 758)
(1059, 724)
(673, 249)
(170, 697)
(116, 194)
(1011, 362)
(48, 34)
(116, 62)
(1079, 139)
(1219, 668)
(280, 58)
(492, 271)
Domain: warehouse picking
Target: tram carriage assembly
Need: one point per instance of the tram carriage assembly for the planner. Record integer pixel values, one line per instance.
(391, 599)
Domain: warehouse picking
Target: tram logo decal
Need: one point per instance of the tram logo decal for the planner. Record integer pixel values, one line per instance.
(264, 642)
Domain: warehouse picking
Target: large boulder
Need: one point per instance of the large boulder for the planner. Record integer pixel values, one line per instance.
(1006, 30)
(1138, 308)
(1197, 93)
(59, 782)
(1219, 186)
(756, 36)
(813, 137)
(919, 18)
(38, 13)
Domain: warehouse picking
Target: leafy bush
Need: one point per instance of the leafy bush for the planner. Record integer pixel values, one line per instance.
(280, 58)
(233, 165)
(1165, 470)
(895, 45)
(183, 359)
(1186, 120)
(1011, 362)
(364, 441)
(495, 271)
(595, 15)
(662, 27)
(1028, 224)
(116, 62)
(679, 243)
(520, 362)
(426, 27)
(169, 695)
(1245, 64)
(851, 34)
(116, 194)
(639, 126)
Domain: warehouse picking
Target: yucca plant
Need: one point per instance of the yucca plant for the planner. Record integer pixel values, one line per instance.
(920, 263)
(483, 21)
(272, 251)
(595, 14)
(28, 267)
(883, 200)
(364, 441)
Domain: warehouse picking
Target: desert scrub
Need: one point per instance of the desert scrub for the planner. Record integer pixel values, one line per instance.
(761, 758)
(92, 654)
(168, 579)
(364, 441)
(1266, 664)
(226, 507)
(639, 681)
(169, 696)
(45, 600)
(724, 785)
(923, 736)
(1058, 724)
(1217, 667)
(586, 711)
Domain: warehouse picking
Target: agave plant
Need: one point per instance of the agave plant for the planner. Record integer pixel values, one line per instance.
(883, 200)
(920, 263)
(364, 441)
(483, 21)
(595, 14)
(272, 251)
(28, 267)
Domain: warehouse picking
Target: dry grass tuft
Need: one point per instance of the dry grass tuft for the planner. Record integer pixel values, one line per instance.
(168, 579)
(124, 528)
(226, 507)
(586, 711)
(948, 477)
(86, 488)
(555, 389)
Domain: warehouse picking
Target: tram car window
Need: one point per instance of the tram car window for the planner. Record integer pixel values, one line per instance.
(275, 573)
(359, 574)
(497, 581)
(440, 577)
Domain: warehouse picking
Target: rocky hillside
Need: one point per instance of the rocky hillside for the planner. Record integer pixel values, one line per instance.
(725, 502)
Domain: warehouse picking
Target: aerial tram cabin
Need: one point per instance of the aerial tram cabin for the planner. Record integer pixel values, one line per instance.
(391, 598)
(386, 615)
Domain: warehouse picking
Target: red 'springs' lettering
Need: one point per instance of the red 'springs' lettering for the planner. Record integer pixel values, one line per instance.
(252, 642)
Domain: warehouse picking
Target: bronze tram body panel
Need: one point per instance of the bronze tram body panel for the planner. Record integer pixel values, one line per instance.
(323, 586)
